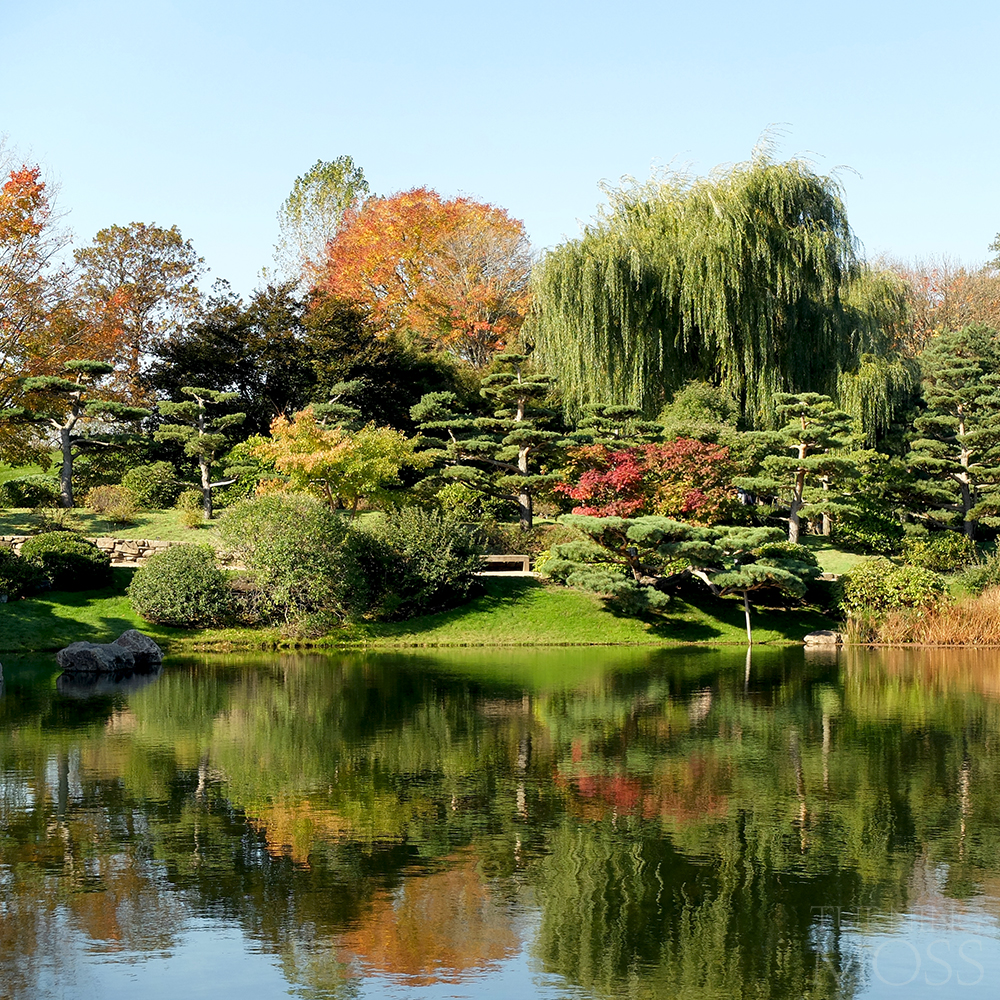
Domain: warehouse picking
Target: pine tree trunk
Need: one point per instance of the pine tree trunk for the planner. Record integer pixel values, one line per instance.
(66, 472)
(968, 525)
(794, 523)
(746, 614)
(206, 489)
(524, 497)
(524, 508)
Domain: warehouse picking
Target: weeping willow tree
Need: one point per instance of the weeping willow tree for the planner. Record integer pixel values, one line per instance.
(749, 278)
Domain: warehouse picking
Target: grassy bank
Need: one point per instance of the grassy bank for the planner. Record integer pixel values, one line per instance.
(164, 525)
(511, 612)
(53, 620)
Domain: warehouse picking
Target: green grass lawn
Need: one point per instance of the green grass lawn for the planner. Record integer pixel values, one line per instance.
(522, 611)
(6, 472)
(830, 558)
(512, 612)
(156, 524)
(53, 620)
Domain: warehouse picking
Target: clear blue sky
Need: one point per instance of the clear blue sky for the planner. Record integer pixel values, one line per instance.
(201, 113)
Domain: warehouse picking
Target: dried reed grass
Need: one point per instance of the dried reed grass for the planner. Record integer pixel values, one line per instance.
(972, 621)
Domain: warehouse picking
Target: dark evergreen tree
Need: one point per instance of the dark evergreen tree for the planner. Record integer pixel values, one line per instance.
(201, 434)
(638, 562)
(255, 349)
(68, 403)
(614, 426)
(809, 457)
(502, 455)
(344, 348)
(957, 442)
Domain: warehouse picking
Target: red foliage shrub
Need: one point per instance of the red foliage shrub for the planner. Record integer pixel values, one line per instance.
(683, 479)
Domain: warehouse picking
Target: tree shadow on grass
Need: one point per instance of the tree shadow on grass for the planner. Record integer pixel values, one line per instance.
(499, 594)
(686, 620)
(706, 620)
(54, 619)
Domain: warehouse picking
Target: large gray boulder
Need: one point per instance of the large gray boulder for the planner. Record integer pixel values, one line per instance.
(95, 658)
(824, 637)
(145, 652)
(130, 651)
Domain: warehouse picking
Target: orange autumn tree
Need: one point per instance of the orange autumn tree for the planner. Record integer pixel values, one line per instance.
(136, 285)
(30, 338)
(947, 296)
(453, 274)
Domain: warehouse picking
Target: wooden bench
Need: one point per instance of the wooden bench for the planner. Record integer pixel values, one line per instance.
(506, 563)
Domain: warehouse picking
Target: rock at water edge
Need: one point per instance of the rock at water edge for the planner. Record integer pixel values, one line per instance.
(95, 658)
(144, 651)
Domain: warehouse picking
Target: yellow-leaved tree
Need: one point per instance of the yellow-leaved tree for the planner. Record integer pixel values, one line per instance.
(340, 466)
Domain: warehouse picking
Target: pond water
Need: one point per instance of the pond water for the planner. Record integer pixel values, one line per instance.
(530, 823)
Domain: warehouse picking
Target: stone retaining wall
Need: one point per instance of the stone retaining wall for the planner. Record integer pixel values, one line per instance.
(123, 551)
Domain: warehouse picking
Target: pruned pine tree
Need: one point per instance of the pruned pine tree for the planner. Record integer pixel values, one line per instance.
(338, 410)
(809, 458)
(500, 456)
(614, 426)
(69, 402)
(201, 433)
(760, 559)
(957, 443)
(638, 562)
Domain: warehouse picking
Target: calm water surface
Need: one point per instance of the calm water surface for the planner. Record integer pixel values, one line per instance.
(566, 823)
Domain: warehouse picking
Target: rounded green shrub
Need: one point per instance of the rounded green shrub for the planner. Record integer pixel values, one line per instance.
(68, 561)
(190, 504)
(181, 586)
(154, 486)
(875, 587)
(18, 577)
(466, 504)
(30, 491)
(868, 532)
(291, 546)
(411, 563)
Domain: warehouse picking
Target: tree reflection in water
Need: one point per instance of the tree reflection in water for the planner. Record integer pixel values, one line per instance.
(644, 823)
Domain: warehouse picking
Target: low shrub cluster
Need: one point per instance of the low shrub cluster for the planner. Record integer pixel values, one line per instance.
(153, 486)
(972, 621)
(68, 561)
(465, 504)
(874, 587)
(182, 586)
(191, 505)
(118, 504)
(292, 547)
(18, 577)
(867, 531)
(30, 491)
(877, 596)
(981, 576)
(943, 552)
(304, 562)
(411, 563)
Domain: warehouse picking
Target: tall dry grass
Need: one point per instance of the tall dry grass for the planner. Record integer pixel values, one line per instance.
(972, 621)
